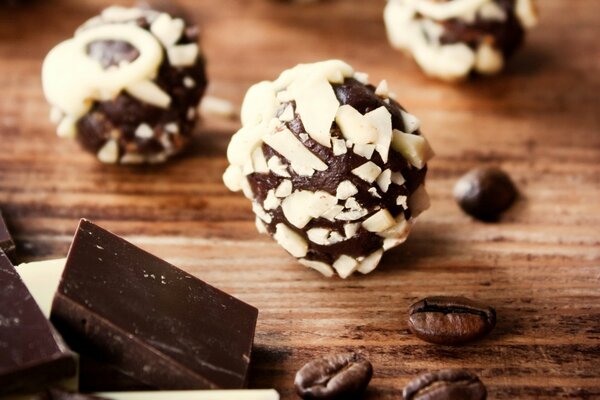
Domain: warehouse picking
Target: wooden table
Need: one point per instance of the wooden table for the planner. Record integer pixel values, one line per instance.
(540, 266)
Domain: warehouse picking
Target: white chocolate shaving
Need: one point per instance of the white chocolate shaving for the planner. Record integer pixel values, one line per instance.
(168, 30)
(339, 147)
(149, 92)
(324, 237)
(286, 144)
(277, 167)
(183, 55)
(292, 242)
(259, 163)
(364, 150)
(172, 127)
(526, 12)
(351, 229)
(402, 201)
(488, 60)
(302, 206)
(382, 89)
(333, 212)
(414, 148)
(271, 201)
(411, 123)
(144, 131)
(261, 213)
(368, 172)
(351, 215)
(355, 126)
(321, 267)
(66, 128)
(362, 77)
(317, 105)
(379, 222)
(345, 190)
(284, 189)
(189, 83)
(374, 192)
(398, 179)
(384, 180)
(370, 262)
(345, 266)
(381, 120)
(109, 153)
(212, 105)
(260, 226)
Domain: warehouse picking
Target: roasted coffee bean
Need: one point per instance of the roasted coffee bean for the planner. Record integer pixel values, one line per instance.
(450, 320)
(447, 384)
(338, 376)
(485, 193)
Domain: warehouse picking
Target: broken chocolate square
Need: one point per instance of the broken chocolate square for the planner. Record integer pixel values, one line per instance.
(153, 322)
(31, 353)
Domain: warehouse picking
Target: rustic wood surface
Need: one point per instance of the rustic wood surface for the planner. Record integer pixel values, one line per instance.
(540, 266)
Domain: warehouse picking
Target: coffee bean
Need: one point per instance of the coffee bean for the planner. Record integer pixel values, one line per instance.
(447, 384)
(450, 320)
(485, 193)
(338, 376)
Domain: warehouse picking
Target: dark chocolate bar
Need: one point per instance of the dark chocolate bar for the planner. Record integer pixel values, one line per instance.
(6, 241)
(31, 353)
(124, 307)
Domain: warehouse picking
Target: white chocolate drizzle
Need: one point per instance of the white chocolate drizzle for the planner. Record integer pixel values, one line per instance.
(72, 80)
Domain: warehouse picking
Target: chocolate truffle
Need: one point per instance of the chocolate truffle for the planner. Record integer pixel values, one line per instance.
(452, 39)
(334, 166)
(127, 85)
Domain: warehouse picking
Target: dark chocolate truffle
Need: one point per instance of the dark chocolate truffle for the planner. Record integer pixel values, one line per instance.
(127, 86)
(335, 168)
(451, 39)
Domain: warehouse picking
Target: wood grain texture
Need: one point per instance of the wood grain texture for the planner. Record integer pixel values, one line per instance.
(540, 266)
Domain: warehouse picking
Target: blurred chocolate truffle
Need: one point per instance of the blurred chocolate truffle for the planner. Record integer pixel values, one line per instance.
(127, 85)
(335, 168)
(452, 39)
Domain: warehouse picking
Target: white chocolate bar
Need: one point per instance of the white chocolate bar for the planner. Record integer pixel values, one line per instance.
(42, 279)
(269, 394)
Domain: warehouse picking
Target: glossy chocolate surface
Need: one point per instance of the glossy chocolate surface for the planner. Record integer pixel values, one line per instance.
(154, 323)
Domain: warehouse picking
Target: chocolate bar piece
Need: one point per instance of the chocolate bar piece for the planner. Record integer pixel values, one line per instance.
(6, 242)
(31, 354)
(124, 307)
(42, 279)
